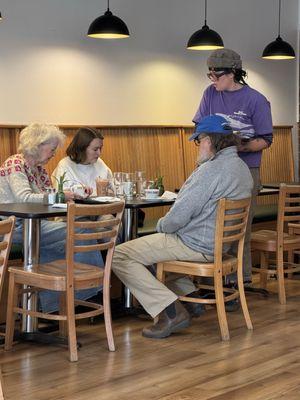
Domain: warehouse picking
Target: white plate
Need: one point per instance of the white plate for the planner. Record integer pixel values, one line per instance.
(105, 199)
(156, 198)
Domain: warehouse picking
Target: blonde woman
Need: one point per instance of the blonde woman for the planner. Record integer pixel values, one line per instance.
(23, 178)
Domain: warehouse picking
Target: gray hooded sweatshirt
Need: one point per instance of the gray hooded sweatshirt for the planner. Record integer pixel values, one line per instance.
(193, 215)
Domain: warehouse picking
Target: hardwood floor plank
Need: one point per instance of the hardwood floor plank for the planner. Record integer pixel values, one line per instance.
(193, 364)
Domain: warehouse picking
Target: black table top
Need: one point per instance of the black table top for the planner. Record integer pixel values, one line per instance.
(135, 203)
(31, 210)
(141, 203)
(275, 185)
(39, 210)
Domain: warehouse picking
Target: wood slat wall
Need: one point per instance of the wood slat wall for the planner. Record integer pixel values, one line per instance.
(277, 161)
(163, 150)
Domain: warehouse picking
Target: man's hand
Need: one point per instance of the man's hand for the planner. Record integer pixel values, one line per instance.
(253, 145)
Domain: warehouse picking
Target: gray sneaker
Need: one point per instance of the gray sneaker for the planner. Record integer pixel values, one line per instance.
(232, 305)
(195, 309)
(165, 325)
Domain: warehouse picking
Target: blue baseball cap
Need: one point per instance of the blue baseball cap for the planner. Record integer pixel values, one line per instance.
(212, 124)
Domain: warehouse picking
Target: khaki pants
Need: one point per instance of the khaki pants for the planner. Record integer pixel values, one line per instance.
(130, 265)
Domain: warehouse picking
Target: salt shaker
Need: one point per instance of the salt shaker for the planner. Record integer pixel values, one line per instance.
(51, 196)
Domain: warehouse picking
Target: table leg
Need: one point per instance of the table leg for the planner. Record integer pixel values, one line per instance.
(129, 232)
(31, 234)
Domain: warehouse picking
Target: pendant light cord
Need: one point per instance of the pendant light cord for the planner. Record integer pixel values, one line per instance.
(205, 12)
(108, 5)
(279, 14)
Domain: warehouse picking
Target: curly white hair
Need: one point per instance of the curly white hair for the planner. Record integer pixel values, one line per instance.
(36, 134)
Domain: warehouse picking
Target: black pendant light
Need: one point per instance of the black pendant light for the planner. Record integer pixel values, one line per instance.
(279, 49)
(108, 26)
(205, 38)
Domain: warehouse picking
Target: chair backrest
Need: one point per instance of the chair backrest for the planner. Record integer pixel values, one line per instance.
(231, 222)
(288, 208)
(95, 228)
(6, 231)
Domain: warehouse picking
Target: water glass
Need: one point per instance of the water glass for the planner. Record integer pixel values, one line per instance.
(118, 184)
(141, 183)
(129, 185)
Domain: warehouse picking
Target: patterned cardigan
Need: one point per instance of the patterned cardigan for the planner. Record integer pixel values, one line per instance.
(20, 182)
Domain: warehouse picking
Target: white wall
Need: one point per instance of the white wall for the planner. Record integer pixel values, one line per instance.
(50, 71)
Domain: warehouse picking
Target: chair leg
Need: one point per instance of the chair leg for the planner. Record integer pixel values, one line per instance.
(280, 278)
(1, 385)
(63, 329)
(291, 259)
(243, 299)
(221, 308)
(107, 318)
(160, 275)
(264, 265)
(71, 325)
(10, 317)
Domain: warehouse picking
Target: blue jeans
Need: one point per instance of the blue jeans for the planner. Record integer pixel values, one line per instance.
(52, 247)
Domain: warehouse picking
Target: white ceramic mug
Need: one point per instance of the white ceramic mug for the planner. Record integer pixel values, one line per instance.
(151, 194)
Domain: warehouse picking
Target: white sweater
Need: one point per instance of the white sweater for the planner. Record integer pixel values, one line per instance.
(81, 173)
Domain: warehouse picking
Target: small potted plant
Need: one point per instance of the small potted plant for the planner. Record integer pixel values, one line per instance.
(60, 195)
(158, 184)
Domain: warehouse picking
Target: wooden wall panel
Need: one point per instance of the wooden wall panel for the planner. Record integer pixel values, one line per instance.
(155, 150)
(163, 150)
(277, 161)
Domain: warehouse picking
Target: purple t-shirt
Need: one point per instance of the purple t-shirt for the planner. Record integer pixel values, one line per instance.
(246, 110)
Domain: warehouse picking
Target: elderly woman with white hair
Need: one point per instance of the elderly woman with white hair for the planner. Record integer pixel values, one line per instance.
(23, 178)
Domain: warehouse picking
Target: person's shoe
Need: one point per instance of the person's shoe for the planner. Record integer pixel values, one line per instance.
(195, 309)
(165, 325)
(232, 305)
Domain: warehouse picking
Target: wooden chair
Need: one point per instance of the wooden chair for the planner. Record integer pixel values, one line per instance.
(231, 223)
(6, 231)
(67, 275)
(1, 391)
(279, 241)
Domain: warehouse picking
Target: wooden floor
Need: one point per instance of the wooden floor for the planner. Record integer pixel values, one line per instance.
(195, 364)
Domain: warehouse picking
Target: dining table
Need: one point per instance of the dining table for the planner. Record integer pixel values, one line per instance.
(130, 227)
(33, 213)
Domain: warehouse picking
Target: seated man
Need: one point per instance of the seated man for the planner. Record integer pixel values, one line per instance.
(187, 231)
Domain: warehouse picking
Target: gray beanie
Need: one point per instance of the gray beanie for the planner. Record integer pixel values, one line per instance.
(224, 58)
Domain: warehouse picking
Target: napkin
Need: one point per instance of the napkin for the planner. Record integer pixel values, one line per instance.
(105, 199)
(60, 205)
(168, 195)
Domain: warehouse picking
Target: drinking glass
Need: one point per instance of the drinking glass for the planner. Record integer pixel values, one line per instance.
(141, 183)
(118, 184)
(102, 186)
(129, 185)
